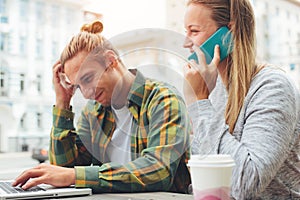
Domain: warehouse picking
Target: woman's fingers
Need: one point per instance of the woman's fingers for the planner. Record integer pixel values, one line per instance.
(202, 60)
(216, 59)
(201, 56)
(185, 69)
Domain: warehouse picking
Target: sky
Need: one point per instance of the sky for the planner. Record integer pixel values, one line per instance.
(121, 16)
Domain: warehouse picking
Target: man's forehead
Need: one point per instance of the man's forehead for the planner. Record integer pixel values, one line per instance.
(93, 59)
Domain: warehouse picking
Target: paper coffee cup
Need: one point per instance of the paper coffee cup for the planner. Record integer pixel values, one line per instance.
(211, 176)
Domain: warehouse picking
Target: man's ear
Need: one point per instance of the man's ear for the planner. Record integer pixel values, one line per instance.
(110, 59)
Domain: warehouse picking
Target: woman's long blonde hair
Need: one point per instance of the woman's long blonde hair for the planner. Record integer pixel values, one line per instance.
(90, 40)
(239, 16)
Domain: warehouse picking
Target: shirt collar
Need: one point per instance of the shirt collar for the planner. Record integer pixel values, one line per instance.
(136, 93)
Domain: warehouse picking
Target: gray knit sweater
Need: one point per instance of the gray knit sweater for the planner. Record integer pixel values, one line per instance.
(265, 143)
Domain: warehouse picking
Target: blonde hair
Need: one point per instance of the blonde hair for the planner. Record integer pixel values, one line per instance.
(239, 16)
(90, 40)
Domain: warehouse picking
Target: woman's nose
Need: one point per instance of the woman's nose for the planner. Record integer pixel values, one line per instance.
(187, 43)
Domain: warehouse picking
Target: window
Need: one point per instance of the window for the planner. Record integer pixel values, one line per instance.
(3, 6)
(289, 32)
(22, 121)
(4, 20)
(298, 44)
(39, 11)
(54, 14)
(3, 11)
(54, 50)
(22, 83)
(39, 49)
(4, 42)
(69, 16)
(277, 11)
(23, 45)
(39, 120)
(292, 66)
(24, 7)
(3, 84)
(39, 84)
(2, 80)
(266, 5)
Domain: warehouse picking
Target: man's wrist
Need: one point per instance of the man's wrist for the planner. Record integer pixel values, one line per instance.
(72, 176)
(63, 106)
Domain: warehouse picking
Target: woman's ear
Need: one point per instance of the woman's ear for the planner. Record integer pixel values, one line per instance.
(110, 59)
(230, 25)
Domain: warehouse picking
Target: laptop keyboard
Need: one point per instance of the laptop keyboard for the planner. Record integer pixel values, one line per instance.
(7, 187)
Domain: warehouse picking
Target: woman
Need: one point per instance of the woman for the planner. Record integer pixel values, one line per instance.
(240, 108)
(132, 136)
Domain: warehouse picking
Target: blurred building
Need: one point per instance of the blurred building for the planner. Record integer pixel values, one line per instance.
(157, 53)
(278, 34)
(175, 10)
(32, 35)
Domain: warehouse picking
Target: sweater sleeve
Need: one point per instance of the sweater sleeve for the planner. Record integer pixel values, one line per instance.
(268, 120)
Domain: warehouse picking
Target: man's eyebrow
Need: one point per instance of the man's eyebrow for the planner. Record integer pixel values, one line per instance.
(85, 76)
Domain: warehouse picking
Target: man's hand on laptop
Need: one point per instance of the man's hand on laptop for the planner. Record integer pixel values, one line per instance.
(48, 174)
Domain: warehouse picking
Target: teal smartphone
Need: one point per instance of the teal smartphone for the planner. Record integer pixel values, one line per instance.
(223, 38)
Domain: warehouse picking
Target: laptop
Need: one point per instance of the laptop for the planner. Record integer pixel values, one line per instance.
(7, 191)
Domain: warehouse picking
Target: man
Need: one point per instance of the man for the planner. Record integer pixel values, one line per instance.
(132, 136)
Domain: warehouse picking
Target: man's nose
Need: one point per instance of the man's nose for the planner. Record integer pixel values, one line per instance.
(88, 93)
(187, 42)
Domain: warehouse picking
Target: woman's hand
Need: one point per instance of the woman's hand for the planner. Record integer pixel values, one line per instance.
(48, 174)
(63, 95)
(200, 79)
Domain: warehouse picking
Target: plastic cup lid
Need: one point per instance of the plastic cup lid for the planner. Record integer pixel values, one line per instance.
(218, 160)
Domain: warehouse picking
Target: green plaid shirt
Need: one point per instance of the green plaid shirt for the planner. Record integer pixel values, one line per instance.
(159, 142)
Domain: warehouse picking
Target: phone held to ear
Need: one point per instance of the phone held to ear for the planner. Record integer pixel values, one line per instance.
(223, 38)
